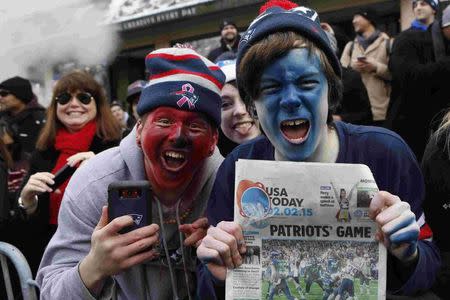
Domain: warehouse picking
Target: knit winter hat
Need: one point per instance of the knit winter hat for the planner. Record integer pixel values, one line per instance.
(368, 14)
(19, 87)
(433, 3)
(286, 16)
(182, 78)
(135, 88)
(226, 23)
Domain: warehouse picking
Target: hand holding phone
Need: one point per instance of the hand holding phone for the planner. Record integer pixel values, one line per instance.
(361, 58)
(133, 198)
(112, 253)
(62, 175)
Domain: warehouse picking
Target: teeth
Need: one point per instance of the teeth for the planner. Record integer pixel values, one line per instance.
(292, 123)
(174, 155)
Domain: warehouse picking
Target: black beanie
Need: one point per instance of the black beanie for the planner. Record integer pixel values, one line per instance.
(19, 87)
(226, 23)
(369, 14)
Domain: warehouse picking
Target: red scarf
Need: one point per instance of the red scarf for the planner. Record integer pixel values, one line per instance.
(68, 144)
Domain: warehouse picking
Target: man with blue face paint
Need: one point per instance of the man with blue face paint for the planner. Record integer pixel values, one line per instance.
(288, 72)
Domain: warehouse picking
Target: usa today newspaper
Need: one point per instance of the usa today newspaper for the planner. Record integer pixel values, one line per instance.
(307, 231)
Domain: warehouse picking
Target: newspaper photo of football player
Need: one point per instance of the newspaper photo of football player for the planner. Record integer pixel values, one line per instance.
(322, 270)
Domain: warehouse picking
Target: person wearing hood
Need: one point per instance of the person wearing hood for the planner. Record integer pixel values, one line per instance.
(368, 54)
(229, 40)
(173, 146)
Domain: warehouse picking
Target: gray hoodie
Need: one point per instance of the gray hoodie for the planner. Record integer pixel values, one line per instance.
(58, 275)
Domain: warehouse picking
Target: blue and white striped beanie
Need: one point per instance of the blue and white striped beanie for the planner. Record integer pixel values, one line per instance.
(183, 79)
(433, 3)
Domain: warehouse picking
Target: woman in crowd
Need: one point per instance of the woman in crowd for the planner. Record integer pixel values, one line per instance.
(436, 167)
(237, 125)
(79, 125)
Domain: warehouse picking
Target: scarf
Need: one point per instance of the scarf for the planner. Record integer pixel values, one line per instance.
(417, 25)
(67, 144)
(365, 43)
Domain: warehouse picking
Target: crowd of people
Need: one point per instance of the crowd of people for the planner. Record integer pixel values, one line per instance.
(291, 88)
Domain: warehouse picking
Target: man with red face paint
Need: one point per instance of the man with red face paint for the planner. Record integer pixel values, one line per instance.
(173, 146)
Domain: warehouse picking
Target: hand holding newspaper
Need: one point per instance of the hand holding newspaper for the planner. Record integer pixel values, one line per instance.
(307, 231)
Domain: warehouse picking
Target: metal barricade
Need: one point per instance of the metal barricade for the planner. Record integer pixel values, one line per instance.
(27, 284)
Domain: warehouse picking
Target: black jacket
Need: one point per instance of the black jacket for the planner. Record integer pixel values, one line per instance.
(4, 202)
(436, 170)
(32, 235)
(215, 53)
(355, 105)
(24, 128)
(420, 67)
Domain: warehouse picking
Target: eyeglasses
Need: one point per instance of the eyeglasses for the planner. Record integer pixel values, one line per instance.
(4, 93)
(64, 98)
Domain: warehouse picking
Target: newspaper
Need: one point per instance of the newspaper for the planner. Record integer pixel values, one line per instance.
(307, 231)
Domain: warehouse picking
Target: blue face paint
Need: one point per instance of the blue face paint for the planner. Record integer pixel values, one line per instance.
(293, 104)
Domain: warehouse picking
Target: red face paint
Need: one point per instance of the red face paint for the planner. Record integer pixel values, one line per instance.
(175, 142)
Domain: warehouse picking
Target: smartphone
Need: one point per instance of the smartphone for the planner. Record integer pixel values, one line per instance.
(361, 58)
(62, 175)
(133, 198)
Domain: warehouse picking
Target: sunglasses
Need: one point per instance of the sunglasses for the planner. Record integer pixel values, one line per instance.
(64, 98)
(4, 93)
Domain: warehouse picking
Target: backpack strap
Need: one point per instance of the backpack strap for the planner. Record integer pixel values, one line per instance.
(388, 47)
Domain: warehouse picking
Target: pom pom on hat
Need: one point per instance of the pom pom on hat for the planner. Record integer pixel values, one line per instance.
(285, 4)
(183, 79)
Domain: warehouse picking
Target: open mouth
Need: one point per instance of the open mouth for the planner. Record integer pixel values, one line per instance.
(243, 128)
(174, 160)
(295, 131)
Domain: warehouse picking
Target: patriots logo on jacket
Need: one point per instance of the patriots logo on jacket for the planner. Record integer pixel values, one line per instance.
(188, 96)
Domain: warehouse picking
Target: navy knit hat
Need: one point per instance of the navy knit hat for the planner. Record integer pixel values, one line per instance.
(182, 78)
(19, 87)
(302, 20)
(433, 3)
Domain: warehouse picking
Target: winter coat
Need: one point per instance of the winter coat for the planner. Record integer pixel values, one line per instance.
(377, 83)
(420, 86)
(25, 128)
(215, 53)
(436, 167)
(355, 105)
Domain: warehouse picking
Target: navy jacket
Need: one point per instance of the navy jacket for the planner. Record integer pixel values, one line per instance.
(394, 168)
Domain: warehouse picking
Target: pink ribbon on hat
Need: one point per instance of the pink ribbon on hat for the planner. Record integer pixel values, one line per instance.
(187, 91)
